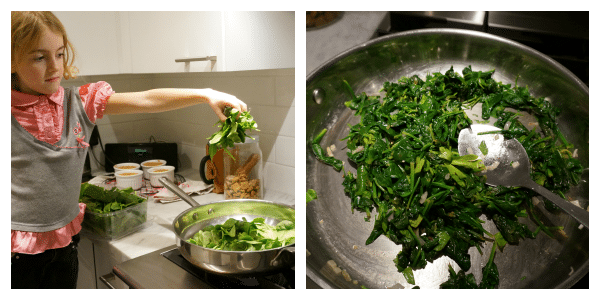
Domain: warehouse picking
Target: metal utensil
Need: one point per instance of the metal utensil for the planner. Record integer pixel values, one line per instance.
(334, 233)
(234, 263)
(508, 165)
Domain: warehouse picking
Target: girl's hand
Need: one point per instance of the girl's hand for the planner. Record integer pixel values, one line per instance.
(218, 101)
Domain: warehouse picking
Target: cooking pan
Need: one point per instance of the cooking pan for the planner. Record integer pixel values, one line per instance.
(336, 236)
(234, 263)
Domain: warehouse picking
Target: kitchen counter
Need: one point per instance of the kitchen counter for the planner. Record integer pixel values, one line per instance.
(351, 29)
(157, 232)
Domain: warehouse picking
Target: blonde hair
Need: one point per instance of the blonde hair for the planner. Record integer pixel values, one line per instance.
(26, 32)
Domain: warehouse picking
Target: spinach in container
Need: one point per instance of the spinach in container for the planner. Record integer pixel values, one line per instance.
(112, 214)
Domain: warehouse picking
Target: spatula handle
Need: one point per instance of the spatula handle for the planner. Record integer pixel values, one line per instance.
(581, 215)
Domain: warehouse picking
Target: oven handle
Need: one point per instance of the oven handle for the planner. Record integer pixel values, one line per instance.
(107, 280)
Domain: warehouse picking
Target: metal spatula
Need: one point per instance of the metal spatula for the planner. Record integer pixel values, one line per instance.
(507, 164)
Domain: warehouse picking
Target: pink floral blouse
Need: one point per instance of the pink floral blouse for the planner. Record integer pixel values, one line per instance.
(42, 116)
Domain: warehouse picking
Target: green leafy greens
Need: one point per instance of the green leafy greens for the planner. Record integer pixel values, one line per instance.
(310, 195)
(428, 198)
(232, 130)
(99, 200)
(103, 205)
(236, 235)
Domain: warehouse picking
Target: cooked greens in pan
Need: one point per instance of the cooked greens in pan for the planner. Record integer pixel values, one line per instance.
(427, 198)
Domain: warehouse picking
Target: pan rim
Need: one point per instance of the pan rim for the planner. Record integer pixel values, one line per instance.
(448, 31)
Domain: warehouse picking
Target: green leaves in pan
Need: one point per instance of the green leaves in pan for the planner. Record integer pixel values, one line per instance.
(236, 235)
(424, 195)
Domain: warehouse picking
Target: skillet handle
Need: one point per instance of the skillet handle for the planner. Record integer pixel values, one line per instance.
(178, 191)
(290, 251)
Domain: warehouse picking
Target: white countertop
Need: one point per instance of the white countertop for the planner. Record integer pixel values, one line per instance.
(157, 233)
(352, 29)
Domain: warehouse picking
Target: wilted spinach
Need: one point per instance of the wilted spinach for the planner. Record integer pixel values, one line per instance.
(428, 198)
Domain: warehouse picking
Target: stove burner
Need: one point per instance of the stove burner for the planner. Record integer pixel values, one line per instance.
(282, 280)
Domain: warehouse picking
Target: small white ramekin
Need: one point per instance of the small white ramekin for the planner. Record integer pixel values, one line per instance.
(146, 168)
(155, 174)
(126, 166)
(132, 181)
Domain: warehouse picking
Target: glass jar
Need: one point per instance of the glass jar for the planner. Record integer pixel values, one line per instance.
(243, 172)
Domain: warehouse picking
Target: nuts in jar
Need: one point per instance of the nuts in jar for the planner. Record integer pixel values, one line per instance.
(239, 187)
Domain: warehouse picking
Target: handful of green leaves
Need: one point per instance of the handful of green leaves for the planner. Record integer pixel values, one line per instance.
(235, 235)
(428, 198)
(99, 200)
(103, 203)
(233, 130)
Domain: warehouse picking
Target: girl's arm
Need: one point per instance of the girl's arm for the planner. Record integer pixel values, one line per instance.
(159, 100)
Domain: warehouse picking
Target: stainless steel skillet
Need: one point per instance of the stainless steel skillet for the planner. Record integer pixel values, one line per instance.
(235, 263)
(334, 233)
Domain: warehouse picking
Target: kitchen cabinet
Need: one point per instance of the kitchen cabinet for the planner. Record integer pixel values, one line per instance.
(87, 270)
(97, 258)
(258, 40)
(96, 37)
(158, 38)
(150, 42)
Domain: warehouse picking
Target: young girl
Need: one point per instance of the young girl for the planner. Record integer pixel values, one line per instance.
(50, 130)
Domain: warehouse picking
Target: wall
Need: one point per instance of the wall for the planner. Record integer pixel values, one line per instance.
(269, 95)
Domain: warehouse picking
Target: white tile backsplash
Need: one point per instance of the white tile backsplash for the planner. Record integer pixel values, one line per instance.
(268, 93)
(284, 151)
(279, 178)
(289, 123)
(284, 90)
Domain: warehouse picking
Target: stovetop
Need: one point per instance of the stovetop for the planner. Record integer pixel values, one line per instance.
(563, 36)
(281, 280)
(167, 269)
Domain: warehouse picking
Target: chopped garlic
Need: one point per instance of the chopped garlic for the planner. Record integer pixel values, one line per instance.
(358, 149)
(515, 164)
(493, 166)
(331, 263)
(346, 275)
(423, 198)
(337, 270)
(329, 153)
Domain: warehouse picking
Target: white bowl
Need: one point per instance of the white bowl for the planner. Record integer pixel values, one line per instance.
(129, 178)
(159, 172)
(152, 163)
(128, 166)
